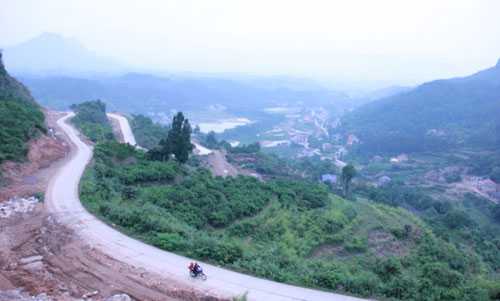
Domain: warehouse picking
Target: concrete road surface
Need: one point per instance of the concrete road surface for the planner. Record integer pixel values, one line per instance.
(128, 136)
(62, 200)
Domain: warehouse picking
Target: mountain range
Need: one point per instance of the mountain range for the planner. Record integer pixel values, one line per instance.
(437, 115)
(143, 93)
(49, 54)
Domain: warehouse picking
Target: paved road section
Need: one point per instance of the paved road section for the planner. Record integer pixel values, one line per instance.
(128, 136)
(62, 200)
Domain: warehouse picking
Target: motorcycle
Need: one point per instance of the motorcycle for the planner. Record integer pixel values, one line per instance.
(199, 274)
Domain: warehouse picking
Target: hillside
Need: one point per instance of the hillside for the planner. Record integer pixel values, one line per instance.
(289, 231)
(147, 132)
(91, 119)
(144, 93)
(438, 115)
(21, 119)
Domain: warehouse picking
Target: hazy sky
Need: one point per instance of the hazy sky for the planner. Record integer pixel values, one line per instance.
(402, 41)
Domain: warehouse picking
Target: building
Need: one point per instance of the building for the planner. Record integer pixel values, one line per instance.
(329, 178)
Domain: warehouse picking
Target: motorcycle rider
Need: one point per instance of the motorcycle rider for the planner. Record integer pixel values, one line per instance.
(195, 268)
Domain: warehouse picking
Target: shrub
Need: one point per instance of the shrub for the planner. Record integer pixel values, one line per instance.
(20, 121)
(170, 241)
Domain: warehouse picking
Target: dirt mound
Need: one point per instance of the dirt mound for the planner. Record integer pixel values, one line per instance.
(44, 261)
(44, 257)
(27, 178)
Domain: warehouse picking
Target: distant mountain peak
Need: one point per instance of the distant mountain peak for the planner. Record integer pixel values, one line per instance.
(49, 36)
(498, 63)
(51, 53)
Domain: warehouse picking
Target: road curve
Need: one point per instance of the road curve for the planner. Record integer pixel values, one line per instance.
(128, 136)
(62, 200)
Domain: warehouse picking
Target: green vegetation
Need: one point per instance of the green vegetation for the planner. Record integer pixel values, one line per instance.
(472, 221)
(210, 141)
(348, 173)
(289, 231)
(246, 149)
(91, 119)
(436, 116)
(19, 122)
(486, 164)
(147, 133)
(21, 119)
(177, 143)
(270, 165)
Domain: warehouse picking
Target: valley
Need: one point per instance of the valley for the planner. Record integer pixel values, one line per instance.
(234, 151)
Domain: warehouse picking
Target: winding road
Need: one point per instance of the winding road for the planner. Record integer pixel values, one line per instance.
(125, 128)
(63, 202)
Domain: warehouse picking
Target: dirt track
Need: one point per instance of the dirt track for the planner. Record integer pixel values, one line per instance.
(40, 255)
(219, 165)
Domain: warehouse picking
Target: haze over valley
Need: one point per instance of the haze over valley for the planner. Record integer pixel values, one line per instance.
(250, 150)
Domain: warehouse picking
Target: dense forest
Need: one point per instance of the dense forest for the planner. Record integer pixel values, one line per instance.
(90, 118)
(436, 116)
(290, 231)
(21, 119)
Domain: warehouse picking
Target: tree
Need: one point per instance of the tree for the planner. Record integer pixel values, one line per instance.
(348, 173)
(184, 146)
(457, 219)
(211, 141)
(495, 174)
(196, 130)
(496, 213)
(178, 141)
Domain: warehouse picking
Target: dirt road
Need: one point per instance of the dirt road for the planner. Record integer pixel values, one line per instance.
(62, 201)
(219, 165)
(200, 149)
(39, 255)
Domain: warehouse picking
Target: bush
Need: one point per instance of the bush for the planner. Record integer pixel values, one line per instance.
(457, 219)
(363, 283)
(246, 149)
(19, 122)
(496, 213)
(170, 241)
(290, 231)
(40, 196)
(91, 119)
(357, 244)
(441, 275)
(388, 268)
(147, 133)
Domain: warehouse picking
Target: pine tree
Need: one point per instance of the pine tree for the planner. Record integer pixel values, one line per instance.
(185, 147)
(177, 143)
(348, 173)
